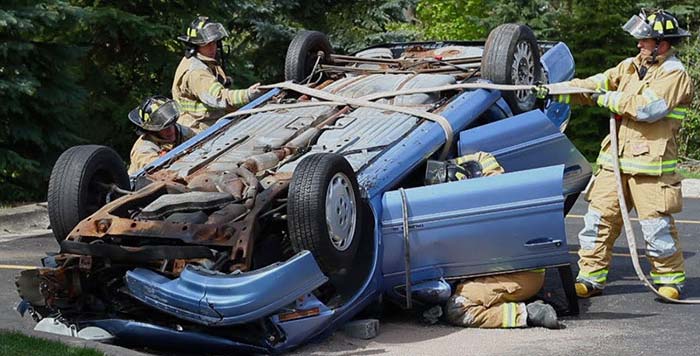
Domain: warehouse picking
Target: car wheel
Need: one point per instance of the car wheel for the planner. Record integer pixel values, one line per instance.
(511, 56)
(324, 212)
(77, 187)
(303, 52)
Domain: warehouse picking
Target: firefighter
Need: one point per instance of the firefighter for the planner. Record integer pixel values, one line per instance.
(496, 301)
(200, 86)
(155, 120)
(650, 95)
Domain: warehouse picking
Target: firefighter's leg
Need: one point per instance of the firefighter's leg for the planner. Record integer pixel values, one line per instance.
(602, 225)
(655, 199)
(494, 301)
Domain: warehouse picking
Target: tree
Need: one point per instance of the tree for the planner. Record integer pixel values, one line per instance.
(72, 69)
(40, 91)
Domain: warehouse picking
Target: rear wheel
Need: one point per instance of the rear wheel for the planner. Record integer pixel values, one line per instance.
(306, 49)
(511, 56)
(80, 185)
(325, 213)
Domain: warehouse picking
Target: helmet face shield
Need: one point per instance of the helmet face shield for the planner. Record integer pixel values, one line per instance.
(638, 28)
(155, 115)
(202, 31)
(659, 25)
(213, 32)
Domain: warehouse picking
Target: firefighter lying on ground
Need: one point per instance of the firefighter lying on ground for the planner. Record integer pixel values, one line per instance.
(158, 133)
(201, 86)
(650, 95)
(493, 301)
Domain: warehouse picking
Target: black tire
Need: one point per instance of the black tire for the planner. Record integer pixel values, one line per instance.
(75, 191)
(504, 43)
(303, 52)
(306, 211)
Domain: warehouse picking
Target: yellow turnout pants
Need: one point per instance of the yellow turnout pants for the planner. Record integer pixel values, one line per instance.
(494, 301)
(654, 198)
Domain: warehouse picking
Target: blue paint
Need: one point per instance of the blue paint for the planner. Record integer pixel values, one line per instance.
(481, 226)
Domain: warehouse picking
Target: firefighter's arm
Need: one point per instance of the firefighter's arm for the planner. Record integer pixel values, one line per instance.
(143, 153)
(204, 85)
(661, 98)
(600, 82)
(488, 163)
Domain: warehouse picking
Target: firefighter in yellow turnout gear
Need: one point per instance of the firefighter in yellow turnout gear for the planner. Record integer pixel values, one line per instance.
(650, 95)
(496, 301)
(201, 86)
(158, 133)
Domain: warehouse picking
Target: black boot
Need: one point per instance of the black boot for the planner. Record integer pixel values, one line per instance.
(540, 314)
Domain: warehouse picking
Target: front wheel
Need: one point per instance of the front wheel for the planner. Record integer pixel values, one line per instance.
(306, 49)
(325, 213)
(80, 185)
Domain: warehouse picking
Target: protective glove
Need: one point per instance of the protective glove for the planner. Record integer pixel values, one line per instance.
(540, 91)
(255, 92)
(598, 98)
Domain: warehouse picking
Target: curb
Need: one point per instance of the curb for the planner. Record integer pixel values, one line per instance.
(19, 220)
(690, 188)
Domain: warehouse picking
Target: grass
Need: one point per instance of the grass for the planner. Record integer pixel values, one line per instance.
(13, 343)
(688, 173)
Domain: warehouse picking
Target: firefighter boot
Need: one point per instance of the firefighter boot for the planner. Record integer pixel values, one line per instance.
(670, 291)
(586, 290)
(541, 314)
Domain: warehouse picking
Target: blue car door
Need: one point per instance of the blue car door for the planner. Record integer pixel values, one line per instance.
(486, 225)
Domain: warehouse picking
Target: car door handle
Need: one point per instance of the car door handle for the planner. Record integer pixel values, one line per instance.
(542, 243)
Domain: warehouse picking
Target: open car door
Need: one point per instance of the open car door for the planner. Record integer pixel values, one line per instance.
(486, 225)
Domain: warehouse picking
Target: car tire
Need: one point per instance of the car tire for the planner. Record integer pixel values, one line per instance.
(511, 56)
(325, 214)
(75, 190)
(303, 52)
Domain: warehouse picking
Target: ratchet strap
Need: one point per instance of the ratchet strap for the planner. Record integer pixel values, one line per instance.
(367, 101)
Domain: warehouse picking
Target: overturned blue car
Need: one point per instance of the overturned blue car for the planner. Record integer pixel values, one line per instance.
(290, 216)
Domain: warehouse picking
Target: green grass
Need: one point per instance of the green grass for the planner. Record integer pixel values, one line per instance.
(688, 174)
(16, 344)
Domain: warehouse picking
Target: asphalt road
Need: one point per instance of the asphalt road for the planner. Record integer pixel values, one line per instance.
(626, 320)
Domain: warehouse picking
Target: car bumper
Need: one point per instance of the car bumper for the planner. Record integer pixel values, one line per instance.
(216, 299)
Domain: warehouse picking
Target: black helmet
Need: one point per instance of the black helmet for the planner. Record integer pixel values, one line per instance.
(155, 113)
(203, 31)
(659, 25)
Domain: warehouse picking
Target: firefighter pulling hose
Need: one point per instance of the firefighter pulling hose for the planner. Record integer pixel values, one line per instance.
(648, 96)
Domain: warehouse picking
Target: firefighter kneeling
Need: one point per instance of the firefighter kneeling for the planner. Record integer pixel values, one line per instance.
(493, 301)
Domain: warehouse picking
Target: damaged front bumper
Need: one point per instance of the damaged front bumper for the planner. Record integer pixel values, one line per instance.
(215, 299)
(276, 301)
